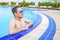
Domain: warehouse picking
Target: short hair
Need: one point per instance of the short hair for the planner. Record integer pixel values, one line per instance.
(14, 9)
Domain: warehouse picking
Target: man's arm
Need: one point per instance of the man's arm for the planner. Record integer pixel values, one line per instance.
(29, 22)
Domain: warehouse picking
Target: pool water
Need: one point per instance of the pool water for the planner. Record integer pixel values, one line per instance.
(6, 14)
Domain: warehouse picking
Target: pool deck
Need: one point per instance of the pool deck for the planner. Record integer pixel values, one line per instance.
(55, 14)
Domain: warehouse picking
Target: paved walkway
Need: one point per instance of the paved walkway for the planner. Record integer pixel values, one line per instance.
(56, 16)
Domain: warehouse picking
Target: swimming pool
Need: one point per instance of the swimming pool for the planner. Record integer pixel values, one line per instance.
(6, 14)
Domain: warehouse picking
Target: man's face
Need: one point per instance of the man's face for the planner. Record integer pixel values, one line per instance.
(19, 13)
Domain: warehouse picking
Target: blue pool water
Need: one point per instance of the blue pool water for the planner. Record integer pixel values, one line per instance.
(6, 14)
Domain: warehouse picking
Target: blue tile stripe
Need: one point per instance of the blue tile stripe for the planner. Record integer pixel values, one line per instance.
(24, 32)
(51, 30)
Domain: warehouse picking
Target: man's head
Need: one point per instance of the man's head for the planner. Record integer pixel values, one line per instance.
(17, 11)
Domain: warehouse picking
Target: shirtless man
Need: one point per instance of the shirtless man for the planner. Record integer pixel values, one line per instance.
(17, 24)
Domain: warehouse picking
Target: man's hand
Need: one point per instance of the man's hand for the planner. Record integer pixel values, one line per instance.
(25, 28)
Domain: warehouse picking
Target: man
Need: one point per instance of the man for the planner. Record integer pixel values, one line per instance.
(17, 24)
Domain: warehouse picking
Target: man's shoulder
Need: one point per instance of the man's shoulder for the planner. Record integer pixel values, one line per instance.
(23, 19)
(12, 19)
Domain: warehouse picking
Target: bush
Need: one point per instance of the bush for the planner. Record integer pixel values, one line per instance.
(59, 4)
(31, 3)
(54, 5)
(41, 4)
(3, 3)
(45, 3)
(13, 3)
(23, 4)
(48, 4)
(26, 4)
